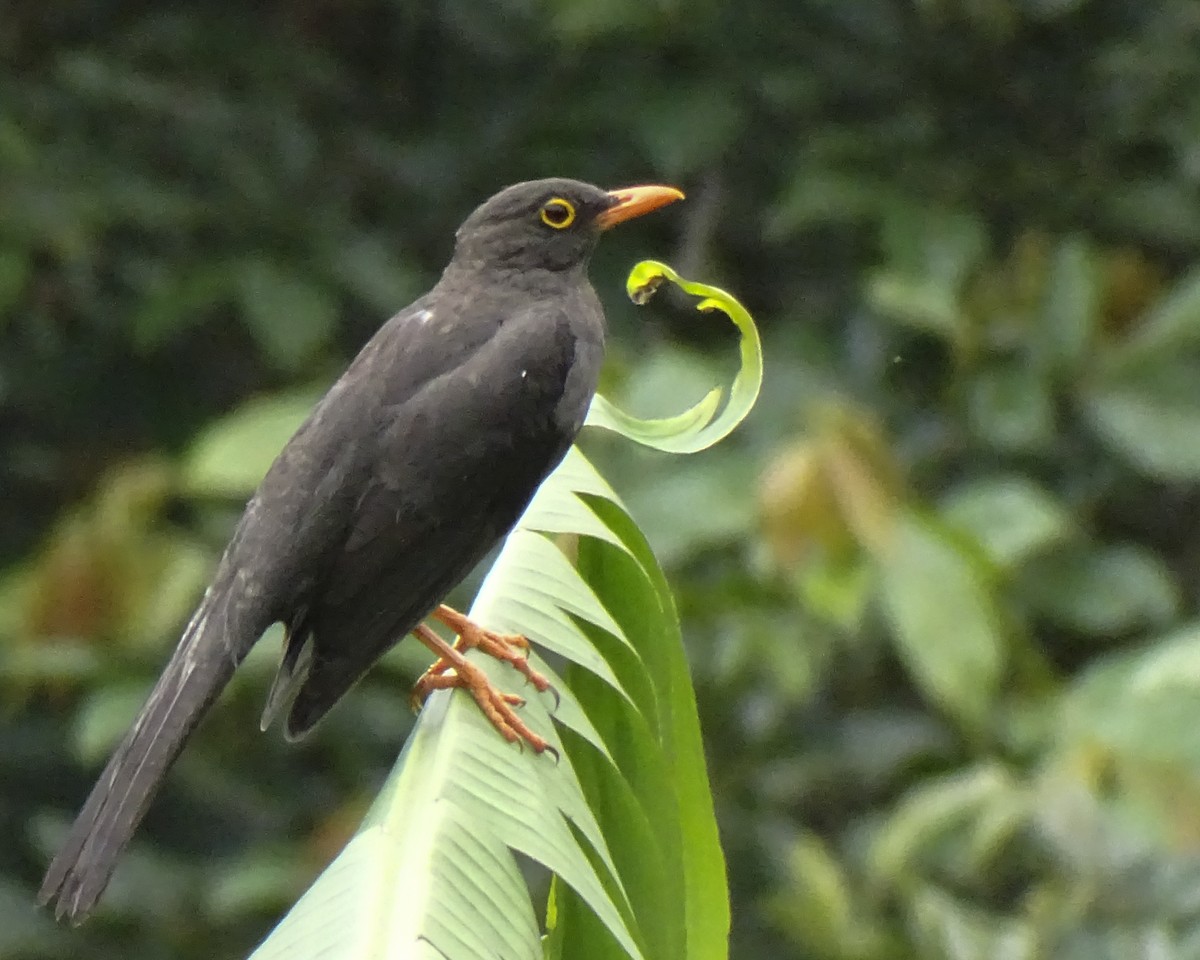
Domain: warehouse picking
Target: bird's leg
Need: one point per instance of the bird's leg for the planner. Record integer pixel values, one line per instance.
(510, 648)
(496, 705)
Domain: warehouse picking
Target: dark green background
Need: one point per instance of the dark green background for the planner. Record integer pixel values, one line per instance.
(939, 591)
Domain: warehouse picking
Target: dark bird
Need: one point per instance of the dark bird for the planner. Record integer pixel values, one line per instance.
(408, 471)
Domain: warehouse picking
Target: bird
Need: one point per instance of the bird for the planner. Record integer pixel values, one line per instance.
(418, 460)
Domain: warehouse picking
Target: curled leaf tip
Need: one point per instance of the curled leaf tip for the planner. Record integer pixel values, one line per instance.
(701, 425)
(645, 278)
(642, 293)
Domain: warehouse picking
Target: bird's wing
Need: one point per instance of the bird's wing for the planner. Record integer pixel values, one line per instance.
(298, 521)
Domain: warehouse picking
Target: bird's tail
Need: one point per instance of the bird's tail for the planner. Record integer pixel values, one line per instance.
(197, 672)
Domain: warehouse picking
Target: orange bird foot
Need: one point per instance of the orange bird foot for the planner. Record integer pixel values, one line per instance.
(452, 669)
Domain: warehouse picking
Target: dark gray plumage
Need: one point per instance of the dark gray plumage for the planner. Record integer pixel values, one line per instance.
(406, 473)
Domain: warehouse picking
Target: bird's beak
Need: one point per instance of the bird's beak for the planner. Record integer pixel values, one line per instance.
(632, 202)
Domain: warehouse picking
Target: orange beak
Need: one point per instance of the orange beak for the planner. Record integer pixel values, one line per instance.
(634, 201)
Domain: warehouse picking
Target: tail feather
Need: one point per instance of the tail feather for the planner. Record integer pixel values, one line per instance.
(292, 673)
(197, 672)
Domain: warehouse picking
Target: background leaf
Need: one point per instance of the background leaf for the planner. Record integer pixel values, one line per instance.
(945, 626)
(232, 456)
(1152, 419)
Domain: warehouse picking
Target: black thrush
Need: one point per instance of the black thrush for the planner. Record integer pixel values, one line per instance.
(409, 470)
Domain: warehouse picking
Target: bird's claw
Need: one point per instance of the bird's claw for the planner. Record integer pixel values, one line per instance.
(452, 669)
(500, 708)
(510, 648)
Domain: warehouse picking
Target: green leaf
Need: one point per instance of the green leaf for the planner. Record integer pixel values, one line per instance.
(104, 717)
(230, 457)
(1144, 705)
(691, 509)
(665, 770)
(584, 21)
(1011, 518)
(943, 618)
(170, 305)
(30, 664)
(940, 244)
(818, 197)
(1153, 206)
(1070, 307)
(685, 128)
(1009, 406)
(946, 926)
(933, 810)
(837, 591)
(929, 256)
(25, 932)
(818, 908)
(1103, 590)
(1172, 323)
(254, 882)
(919, 302)
(290, 316)
(700, 426)
(369, 267)
(1151, 416)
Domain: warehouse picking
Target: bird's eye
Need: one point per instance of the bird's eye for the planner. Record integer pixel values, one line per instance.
(558, 213)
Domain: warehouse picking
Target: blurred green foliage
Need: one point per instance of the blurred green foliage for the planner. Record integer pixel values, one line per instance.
(939, 593)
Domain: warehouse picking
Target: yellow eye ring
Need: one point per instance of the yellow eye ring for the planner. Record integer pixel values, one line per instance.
(558, 213)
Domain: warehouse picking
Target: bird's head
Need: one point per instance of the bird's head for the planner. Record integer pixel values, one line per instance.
(549, 224)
